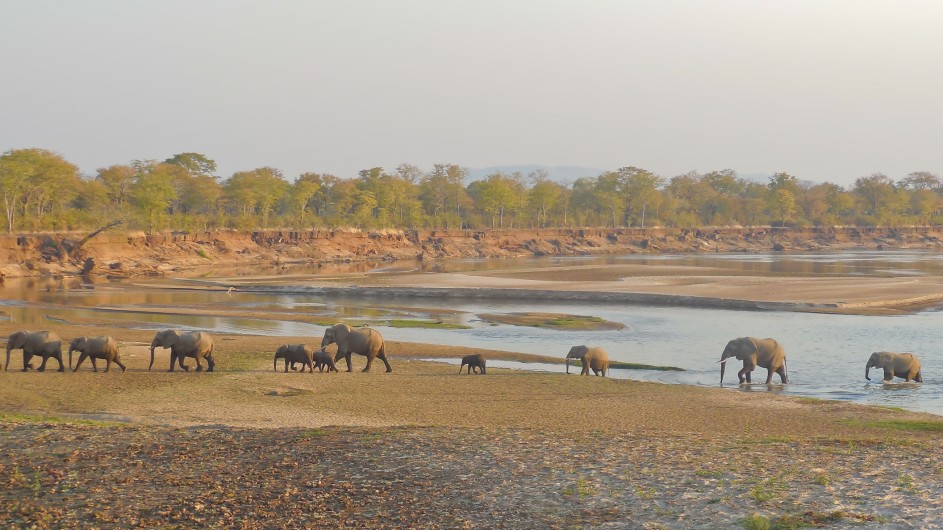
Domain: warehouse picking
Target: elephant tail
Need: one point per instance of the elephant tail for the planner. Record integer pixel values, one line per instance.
(785, 371)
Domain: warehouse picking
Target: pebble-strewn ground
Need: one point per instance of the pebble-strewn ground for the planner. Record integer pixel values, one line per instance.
(83, 476)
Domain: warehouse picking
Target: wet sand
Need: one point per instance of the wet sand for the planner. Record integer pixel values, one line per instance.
(645, 284)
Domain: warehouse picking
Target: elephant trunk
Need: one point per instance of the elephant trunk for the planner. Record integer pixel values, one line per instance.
(70, 357)
(723, 366)
(867, 370)
(567, 365)
(7, 365)
(275, 363)
(153, 345)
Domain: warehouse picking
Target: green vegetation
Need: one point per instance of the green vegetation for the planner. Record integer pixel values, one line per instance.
(552, 320)
(43, 191)
(637, 366)
(756, 522)
(904, 425)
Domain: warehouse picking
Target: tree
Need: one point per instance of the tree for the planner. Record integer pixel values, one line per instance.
(30, 177)
(153, 192)
(874, 190)
(783, 202)
(640, 188)
(117, 181)
(196, 164)
(494, 195)
(921, 180)
(256, 192)
(303, 192)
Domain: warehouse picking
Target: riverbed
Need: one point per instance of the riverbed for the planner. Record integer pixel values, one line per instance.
(826, 353)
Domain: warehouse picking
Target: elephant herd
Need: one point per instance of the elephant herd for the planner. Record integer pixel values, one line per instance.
(198, 345)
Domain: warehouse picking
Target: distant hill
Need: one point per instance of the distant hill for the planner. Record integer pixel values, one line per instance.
(556, 173)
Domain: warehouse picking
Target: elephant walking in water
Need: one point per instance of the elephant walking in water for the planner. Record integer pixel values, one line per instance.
(196, 344)
(765, 353)
(45, 344)
(903, 365)
(362, 341)
(596, 359)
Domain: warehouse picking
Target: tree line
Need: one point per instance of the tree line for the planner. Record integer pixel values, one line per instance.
(43, 191)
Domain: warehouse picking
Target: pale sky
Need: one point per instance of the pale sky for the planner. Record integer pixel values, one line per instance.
(823, 89)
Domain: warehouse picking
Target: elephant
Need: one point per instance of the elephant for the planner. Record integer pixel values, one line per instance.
(362, 341)
(903, 365)
(46, 344)
(95, 348)
(196, 344)
(766, 353)
(592, 358)
(294, 353)
(322, 360)
(475, 361)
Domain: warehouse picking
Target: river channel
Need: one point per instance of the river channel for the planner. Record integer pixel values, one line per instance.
(826, 354)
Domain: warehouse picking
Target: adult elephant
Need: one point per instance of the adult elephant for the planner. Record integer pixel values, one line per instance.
(96, 348)
(196, 344)
(765, 353)
(45, 344)
(362, 341)
(592, 358)
(903, 365)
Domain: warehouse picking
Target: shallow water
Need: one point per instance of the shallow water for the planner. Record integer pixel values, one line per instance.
(826, 354)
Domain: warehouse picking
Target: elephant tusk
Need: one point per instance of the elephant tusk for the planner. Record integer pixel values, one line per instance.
(722, 361)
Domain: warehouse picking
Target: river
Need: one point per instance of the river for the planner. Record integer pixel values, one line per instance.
(826, 354)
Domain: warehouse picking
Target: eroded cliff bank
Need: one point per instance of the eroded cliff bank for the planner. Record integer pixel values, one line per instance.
(132, 254)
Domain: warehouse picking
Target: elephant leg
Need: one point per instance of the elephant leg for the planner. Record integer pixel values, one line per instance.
(94, 364)
(782, 374)
(769, 375)
(310, 367)
(382, 357)
(118, 362)
(210, 362)
(79, 362)
(173, 360)
(107, 364)
(888, 375)
(26, 361)
(369, 362)
(42, 367)
(743, 375)
(61, 365)
(347, 357)
(199, 365)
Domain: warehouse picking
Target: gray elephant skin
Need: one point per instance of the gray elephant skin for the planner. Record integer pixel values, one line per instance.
(322, 360)
(595, 359)
(903, 365)
(765, 353)
(45, 344)
(294, 353)
(195, 344)
(475, 361)
(362, 341)
(95, 348)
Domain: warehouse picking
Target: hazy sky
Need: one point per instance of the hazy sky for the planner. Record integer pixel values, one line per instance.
(826, 90)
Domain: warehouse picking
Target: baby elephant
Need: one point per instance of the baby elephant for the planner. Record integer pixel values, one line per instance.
(903, 365)
(474, 362)
(96, 348)
(294, 353)
(323, 359)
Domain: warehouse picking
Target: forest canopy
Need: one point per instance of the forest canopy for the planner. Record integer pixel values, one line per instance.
(43, 191)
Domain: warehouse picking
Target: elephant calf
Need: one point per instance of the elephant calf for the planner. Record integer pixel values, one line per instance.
(323, 359)
(475, 362)
(294, 353)
(903, 365)
(97, 348)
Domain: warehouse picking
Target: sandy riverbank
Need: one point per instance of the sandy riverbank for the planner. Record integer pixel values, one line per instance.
(631, 283)
(426, 447)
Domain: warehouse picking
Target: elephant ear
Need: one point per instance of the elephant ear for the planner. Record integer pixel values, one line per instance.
(752, 344)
